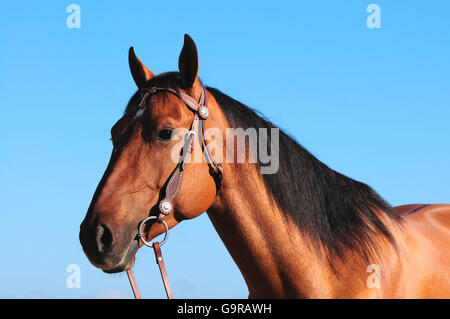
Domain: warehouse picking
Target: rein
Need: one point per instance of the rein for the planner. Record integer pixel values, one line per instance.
(165, 206)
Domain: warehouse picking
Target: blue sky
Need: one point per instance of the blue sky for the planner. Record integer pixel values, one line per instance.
(373, 104)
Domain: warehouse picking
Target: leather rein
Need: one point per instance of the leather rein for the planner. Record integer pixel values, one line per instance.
(165, 206)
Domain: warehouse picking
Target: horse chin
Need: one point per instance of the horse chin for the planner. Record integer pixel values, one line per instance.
(126, 262)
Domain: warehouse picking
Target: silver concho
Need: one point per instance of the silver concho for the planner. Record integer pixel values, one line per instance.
(203, 112)
(165, 207)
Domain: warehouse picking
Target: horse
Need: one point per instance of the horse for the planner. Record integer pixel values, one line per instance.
(304, 231)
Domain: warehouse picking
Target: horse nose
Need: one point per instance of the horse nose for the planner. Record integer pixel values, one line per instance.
(104, 238)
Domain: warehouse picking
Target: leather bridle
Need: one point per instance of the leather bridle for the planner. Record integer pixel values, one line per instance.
(173, 185)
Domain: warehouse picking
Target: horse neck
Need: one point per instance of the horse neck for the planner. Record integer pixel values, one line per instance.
(267, 247)
(270, 252)
(275, 258)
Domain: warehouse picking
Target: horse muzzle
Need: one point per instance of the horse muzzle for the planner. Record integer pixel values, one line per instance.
(104, 248)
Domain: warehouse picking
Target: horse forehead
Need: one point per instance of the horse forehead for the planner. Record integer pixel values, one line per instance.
(163, 106)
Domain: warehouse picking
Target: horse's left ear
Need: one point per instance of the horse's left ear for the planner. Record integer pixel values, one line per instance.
(188, 63)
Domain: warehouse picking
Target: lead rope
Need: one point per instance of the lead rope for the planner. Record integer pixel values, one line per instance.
(165, 206)
(134, 287)
(162, 269)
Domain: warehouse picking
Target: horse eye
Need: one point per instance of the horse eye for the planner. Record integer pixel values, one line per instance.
(164, 135)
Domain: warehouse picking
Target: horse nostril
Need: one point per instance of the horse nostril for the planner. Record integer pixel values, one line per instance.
(104, 238)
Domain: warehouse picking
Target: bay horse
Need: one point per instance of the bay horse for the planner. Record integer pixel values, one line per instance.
(305, 231)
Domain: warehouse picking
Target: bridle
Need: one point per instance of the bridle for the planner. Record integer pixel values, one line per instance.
(173, 185)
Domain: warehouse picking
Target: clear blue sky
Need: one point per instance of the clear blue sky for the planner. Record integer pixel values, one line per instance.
(373, 104)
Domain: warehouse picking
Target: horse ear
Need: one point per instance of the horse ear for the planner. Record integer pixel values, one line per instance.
(138, 70)
(188, 63)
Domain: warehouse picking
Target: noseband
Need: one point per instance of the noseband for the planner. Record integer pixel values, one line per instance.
(173, 185)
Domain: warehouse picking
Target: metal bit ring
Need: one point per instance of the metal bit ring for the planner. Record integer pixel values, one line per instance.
(141, 233)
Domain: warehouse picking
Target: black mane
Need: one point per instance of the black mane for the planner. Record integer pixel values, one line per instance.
(337, 212)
